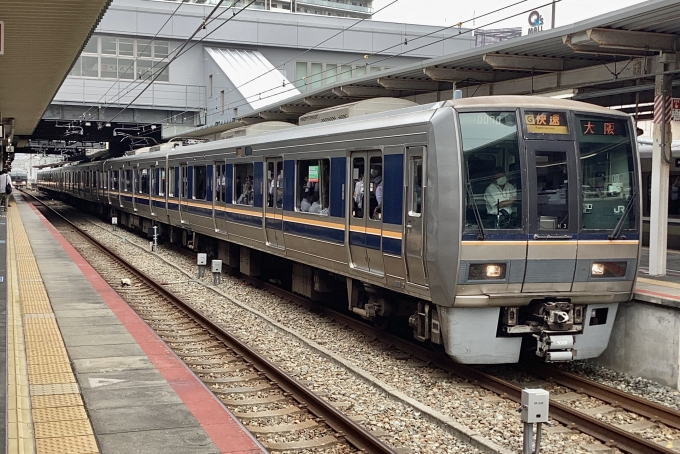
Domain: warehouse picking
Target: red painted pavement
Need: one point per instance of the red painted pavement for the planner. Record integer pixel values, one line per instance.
(227, 434)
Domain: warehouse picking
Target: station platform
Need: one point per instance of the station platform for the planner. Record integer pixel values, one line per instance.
(84, 373)
(659, 289)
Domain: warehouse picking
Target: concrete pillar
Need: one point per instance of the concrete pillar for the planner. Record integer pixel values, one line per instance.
(661, 158)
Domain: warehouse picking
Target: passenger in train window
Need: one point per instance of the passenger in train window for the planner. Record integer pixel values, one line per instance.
(316, 206)
(377, 191)
(359, 196)
(500, 195)
(304, 204)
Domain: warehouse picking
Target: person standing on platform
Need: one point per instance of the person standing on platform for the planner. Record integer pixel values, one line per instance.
(5, 188)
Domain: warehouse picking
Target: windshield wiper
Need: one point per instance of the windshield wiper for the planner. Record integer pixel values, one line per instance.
(619, 225)
(478, 216)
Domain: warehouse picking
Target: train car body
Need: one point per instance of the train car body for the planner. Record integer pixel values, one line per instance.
(405, 207)
(19, 178)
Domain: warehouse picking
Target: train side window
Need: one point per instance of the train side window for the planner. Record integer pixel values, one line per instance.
(416, 201)
(278, 192)
(243, 184)
(219, 182)
(493, 191)
(200, 180)
(128, 180)
(161, 182)
(270, 184)
(358, 195)
(171, 182)
(312, 186)
(144, 181)
(375, 187)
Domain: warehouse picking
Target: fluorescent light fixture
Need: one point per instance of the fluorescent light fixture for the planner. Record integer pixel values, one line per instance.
(561, 94)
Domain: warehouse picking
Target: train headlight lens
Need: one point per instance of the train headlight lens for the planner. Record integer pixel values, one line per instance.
(486, 271)
(608, 269)
(597, 269)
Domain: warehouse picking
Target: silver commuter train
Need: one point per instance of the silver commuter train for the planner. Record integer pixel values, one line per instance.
(543, 269)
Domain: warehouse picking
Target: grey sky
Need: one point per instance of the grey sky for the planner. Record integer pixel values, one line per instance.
(448, 12)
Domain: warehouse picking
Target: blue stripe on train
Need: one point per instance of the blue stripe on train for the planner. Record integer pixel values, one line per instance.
(365, 240)
(254, 221)
(391, 246)
(141, 201)
(274, 224)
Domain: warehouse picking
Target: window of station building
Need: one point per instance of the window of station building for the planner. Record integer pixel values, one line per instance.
(316, 76)
(493, 191)
(200, 182)
(331, 75)
(312, 186)
(243, 184)
(301, 75)
(111, 57)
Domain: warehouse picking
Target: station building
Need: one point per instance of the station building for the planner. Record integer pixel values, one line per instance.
(242, 60)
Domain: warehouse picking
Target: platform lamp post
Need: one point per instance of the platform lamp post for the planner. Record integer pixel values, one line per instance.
(552, 23)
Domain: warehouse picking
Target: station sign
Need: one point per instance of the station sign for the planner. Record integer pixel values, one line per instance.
(675, 113)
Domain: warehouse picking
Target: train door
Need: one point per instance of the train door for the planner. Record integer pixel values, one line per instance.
(553, 215)
(415, 264)
(365, 224)
(274, 205)
(184, 193)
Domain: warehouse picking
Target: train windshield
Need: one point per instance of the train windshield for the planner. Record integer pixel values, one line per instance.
(607, 168)
(494, 186)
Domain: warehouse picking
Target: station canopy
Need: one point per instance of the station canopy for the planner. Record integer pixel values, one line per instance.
(42, 39)
(609, 60)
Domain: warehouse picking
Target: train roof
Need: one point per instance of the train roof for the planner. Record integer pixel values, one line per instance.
(538, 102)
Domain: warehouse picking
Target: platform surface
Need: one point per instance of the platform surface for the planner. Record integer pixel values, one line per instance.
(664, 290)
(85, 373)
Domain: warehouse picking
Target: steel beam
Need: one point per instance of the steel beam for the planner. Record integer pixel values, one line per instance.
(278, 116)
(409, 84)
(327, 102)
(456, 75)
(364, 92)
(296, 109)
(622, 39)
(524, 62)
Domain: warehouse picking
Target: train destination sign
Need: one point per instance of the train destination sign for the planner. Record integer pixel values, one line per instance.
(546, 122)
(602, 128)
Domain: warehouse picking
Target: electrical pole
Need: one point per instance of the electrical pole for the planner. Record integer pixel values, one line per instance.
(553, 14)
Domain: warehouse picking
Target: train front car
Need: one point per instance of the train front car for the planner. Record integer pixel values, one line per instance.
(549, 205)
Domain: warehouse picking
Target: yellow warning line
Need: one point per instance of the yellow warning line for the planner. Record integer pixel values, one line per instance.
(657, 282)
(45, 413)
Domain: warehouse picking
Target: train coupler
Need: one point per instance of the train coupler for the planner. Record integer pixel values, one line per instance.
(555, 347)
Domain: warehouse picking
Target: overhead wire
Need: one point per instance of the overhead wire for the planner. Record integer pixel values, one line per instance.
(459, 24)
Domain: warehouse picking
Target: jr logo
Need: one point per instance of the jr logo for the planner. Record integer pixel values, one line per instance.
(619, 209)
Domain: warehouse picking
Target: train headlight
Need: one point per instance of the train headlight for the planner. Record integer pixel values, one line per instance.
(486, 271)
(608, 269)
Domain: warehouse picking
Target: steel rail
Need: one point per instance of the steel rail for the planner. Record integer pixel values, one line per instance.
(607, 433)
(651, 410)
(356, 435)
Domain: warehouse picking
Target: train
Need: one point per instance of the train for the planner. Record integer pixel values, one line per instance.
(494, 226)
(19, 178)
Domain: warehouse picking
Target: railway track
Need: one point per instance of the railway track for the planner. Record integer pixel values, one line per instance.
(231, 369)
(626, 439)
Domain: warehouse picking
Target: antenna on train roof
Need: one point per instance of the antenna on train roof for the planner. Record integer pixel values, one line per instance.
(457, 94)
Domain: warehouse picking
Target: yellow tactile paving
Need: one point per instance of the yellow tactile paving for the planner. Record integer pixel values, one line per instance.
(71, 445)
(45, 412)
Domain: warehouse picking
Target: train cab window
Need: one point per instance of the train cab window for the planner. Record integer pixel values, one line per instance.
(493, 191)
(128, 181)
(312, 186)
(552, 183)
(275, 184)
(243, 184)
(607, 167)
(200, 180)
